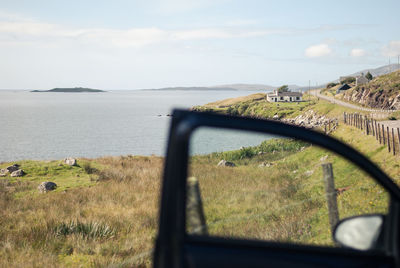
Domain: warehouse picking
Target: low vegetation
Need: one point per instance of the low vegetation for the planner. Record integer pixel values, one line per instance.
(389, 83)
(86, 221)
(382, 92)
(280, 195)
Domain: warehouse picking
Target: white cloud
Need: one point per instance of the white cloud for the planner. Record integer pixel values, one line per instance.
(180, 6)
(319, 50)
(242, 22)
(357, 52)
(217, 33)
(14, 29)
(392, 49)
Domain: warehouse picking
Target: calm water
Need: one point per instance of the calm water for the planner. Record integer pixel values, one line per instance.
(58, 125)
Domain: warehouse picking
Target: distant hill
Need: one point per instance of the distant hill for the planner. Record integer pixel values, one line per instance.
(255, 87)
(232, 87)
(383, 70)
(247, 87)
(70, 90)
(386, 69)
(194, 88)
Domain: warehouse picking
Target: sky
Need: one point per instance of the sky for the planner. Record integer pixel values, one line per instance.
(157, 43)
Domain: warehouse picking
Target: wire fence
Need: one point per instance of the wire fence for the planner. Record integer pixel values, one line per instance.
(388, 136)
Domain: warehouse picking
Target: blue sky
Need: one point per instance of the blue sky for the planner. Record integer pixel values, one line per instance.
(151, 44)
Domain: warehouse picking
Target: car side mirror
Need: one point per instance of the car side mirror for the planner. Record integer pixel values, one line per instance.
(360, 232)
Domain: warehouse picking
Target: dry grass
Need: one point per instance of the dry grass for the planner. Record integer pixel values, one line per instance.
(233, 101)
(126, 201)
(284, 202)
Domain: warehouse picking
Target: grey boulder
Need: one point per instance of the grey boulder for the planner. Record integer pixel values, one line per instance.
(265, 164)
(47, 186)
(13, 168)
(3, 172)
(224, 163)
(70, 161)
(17, 173)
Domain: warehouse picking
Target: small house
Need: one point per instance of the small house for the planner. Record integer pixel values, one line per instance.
(361, 80)
(287, 96)
(343, 88)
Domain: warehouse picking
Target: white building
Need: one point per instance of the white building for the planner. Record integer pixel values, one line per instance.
(284, 96)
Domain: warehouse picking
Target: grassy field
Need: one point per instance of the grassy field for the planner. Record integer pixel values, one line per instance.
(283, 201)
(104, 218)
(104, 211)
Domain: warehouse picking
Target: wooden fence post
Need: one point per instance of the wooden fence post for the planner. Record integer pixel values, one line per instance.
(358, 121)
(383, 135)
(196, 220)
(372, 126)
(388, 138)
(393, 142)
(330, 194)
(398, 137)
(379, 133)
(355, 120)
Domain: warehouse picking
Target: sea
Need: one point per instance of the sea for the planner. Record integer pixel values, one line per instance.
(53, 126)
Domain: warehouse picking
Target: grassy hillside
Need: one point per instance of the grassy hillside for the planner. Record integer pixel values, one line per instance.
(103, 212)
(382, 92)
(389, 83)
(255, 106)
(284, 201)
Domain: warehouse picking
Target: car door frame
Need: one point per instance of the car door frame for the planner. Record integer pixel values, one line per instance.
(174, 248)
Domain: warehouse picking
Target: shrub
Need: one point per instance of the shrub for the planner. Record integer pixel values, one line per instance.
(369, 76)
(232, 110)
(283, 88)
(242, 108)
(348, 80)
(331, 85)
(94, 230)
(268, 146)
(89, 169)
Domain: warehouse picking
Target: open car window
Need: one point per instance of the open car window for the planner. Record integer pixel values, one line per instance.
(245, 185)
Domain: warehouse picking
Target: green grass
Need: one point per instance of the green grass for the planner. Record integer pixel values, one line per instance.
(284, 202)
(66, 177)
(90, 230)
(94, 223)
(278, 147)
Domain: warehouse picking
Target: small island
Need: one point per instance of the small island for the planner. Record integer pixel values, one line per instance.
(71, 90)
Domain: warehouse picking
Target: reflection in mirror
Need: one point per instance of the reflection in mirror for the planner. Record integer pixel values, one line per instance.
(259, 186)
(359, 232)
